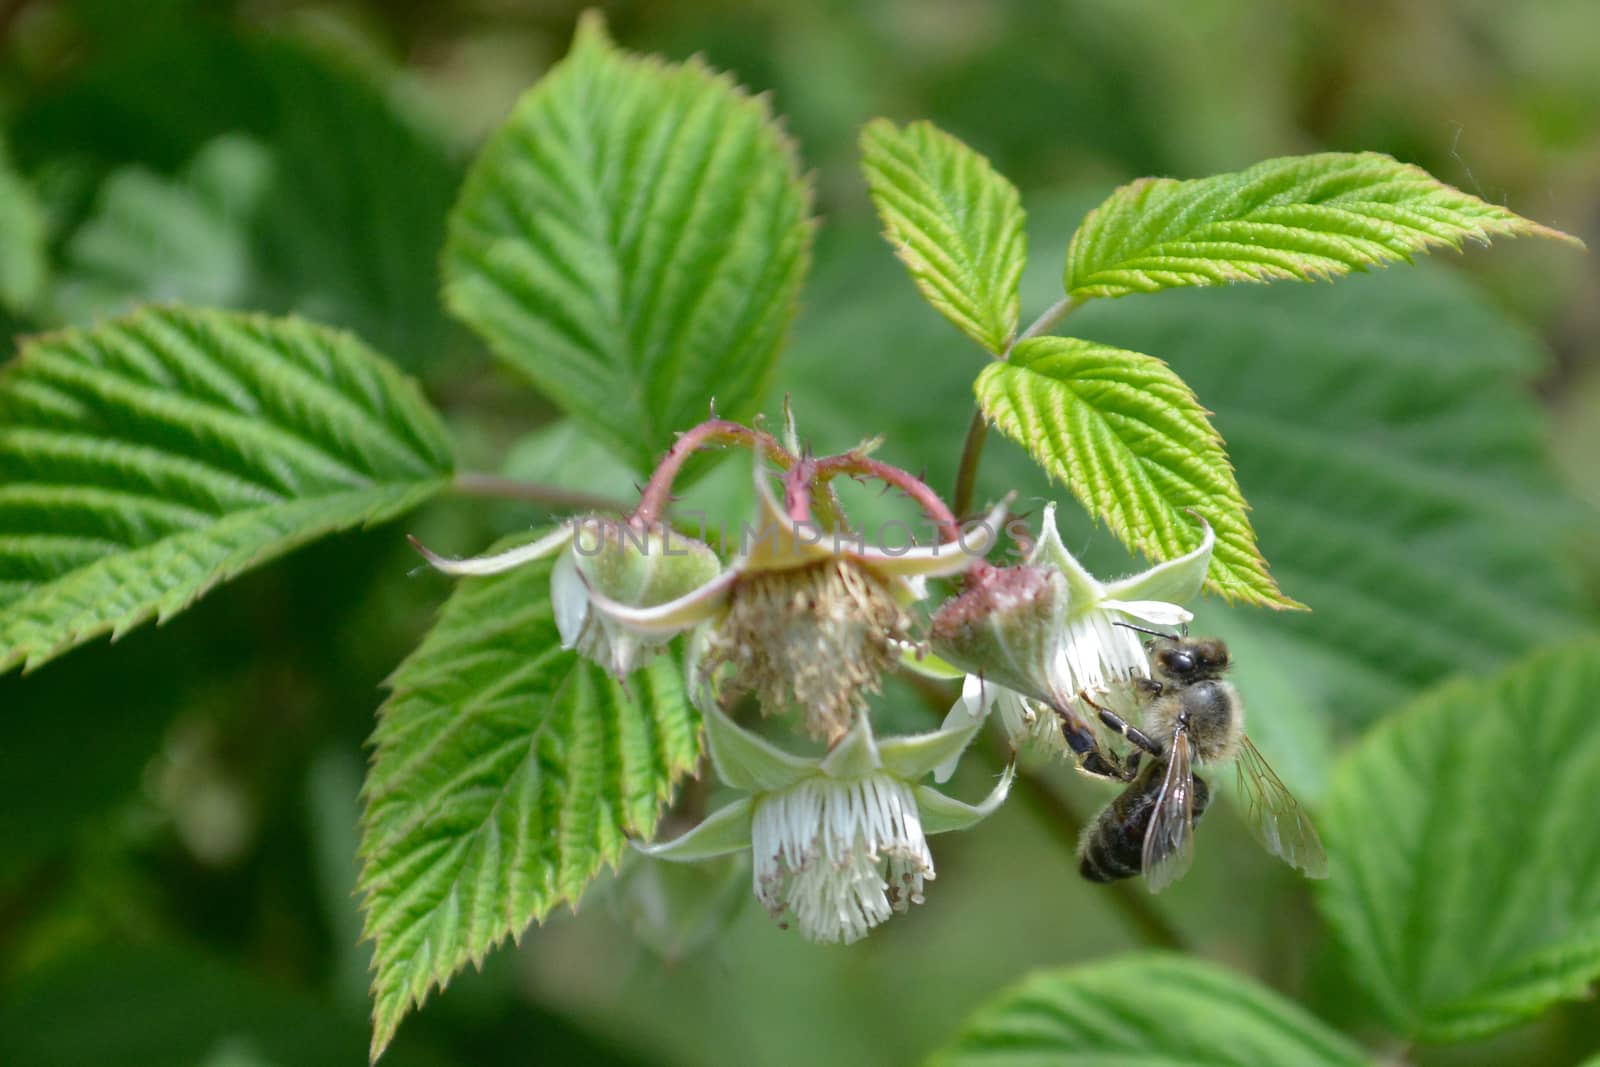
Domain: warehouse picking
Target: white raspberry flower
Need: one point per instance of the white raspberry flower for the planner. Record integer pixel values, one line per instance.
(807, 618)
(604, 557)
(1037, 638)
(839, 844)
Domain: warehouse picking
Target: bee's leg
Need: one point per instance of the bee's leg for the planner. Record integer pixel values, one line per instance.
(1122, 726)
(1091, 759)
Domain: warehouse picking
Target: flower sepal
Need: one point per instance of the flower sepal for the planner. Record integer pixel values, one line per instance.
(603, 560)
(623, 565)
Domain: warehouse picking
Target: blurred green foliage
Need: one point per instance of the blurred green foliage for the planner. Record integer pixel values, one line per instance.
(177, 810)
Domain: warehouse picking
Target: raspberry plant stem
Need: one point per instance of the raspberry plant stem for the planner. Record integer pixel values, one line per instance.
(978, 428)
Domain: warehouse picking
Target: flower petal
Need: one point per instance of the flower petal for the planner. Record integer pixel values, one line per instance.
(941, 814)
(569, 597)
(1175, 581)
(970, 709)
(1156, 612)
(745, 761)
(1083, 588)
(674, 615)
(500, 561)
(723, 831)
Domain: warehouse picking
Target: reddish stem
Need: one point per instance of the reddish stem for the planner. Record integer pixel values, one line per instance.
(658, 491)
(908, 483)
(797, 490)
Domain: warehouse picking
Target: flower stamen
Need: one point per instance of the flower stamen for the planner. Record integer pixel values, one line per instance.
(820, 636)
(842, 857)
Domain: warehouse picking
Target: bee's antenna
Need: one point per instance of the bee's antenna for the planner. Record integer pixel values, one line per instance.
(1153, 633)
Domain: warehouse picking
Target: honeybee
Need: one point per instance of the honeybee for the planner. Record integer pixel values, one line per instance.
(1113, 845)
(1196, 718)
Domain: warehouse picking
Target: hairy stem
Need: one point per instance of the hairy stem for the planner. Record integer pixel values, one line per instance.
(978, 428)
(908, 483)
(797, 490)
(971, 452)
(658, 491)
(477, 484)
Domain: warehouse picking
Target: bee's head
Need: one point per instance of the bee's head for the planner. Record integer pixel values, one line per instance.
(1187, 659)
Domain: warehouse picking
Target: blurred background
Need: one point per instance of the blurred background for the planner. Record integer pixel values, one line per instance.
(178, 811)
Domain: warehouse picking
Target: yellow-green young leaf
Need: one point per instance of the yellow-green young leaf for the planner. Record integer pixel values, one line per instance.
(149, 458)
(1464, 847)
(1130, 440)
(955, 222)
(1145, 1010)
(1298, 217)
(507, 772)
(632, 240)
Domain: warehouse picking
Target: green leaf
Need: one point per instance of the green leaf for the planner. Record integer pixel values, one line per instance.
(955, 222)
(355, 222)
(1382, 429)
(633, 240)
(1396, 465)
(147, 459)
(64, 769)
(1298, 217)
(678, 910)
(166, 1006)
(1130, 440)
(23, 235)
(155, 240)
(1146, 1010)
(341, 216)
(1463, 850)
(561, 454)
(507, 772)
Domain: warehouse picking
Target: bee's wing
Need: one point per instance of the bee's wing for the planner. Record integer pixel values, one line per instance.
(1169, 843)
(1275, 817)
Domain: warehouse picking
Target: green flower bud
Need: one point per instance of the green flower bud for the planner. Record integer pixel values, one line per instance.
(1005, 627)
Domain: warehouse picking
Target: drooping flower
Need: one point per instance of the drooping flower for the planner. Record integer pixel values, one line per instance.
(806, 617)
(839, 844)
(604, 557)
(1049, 633)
